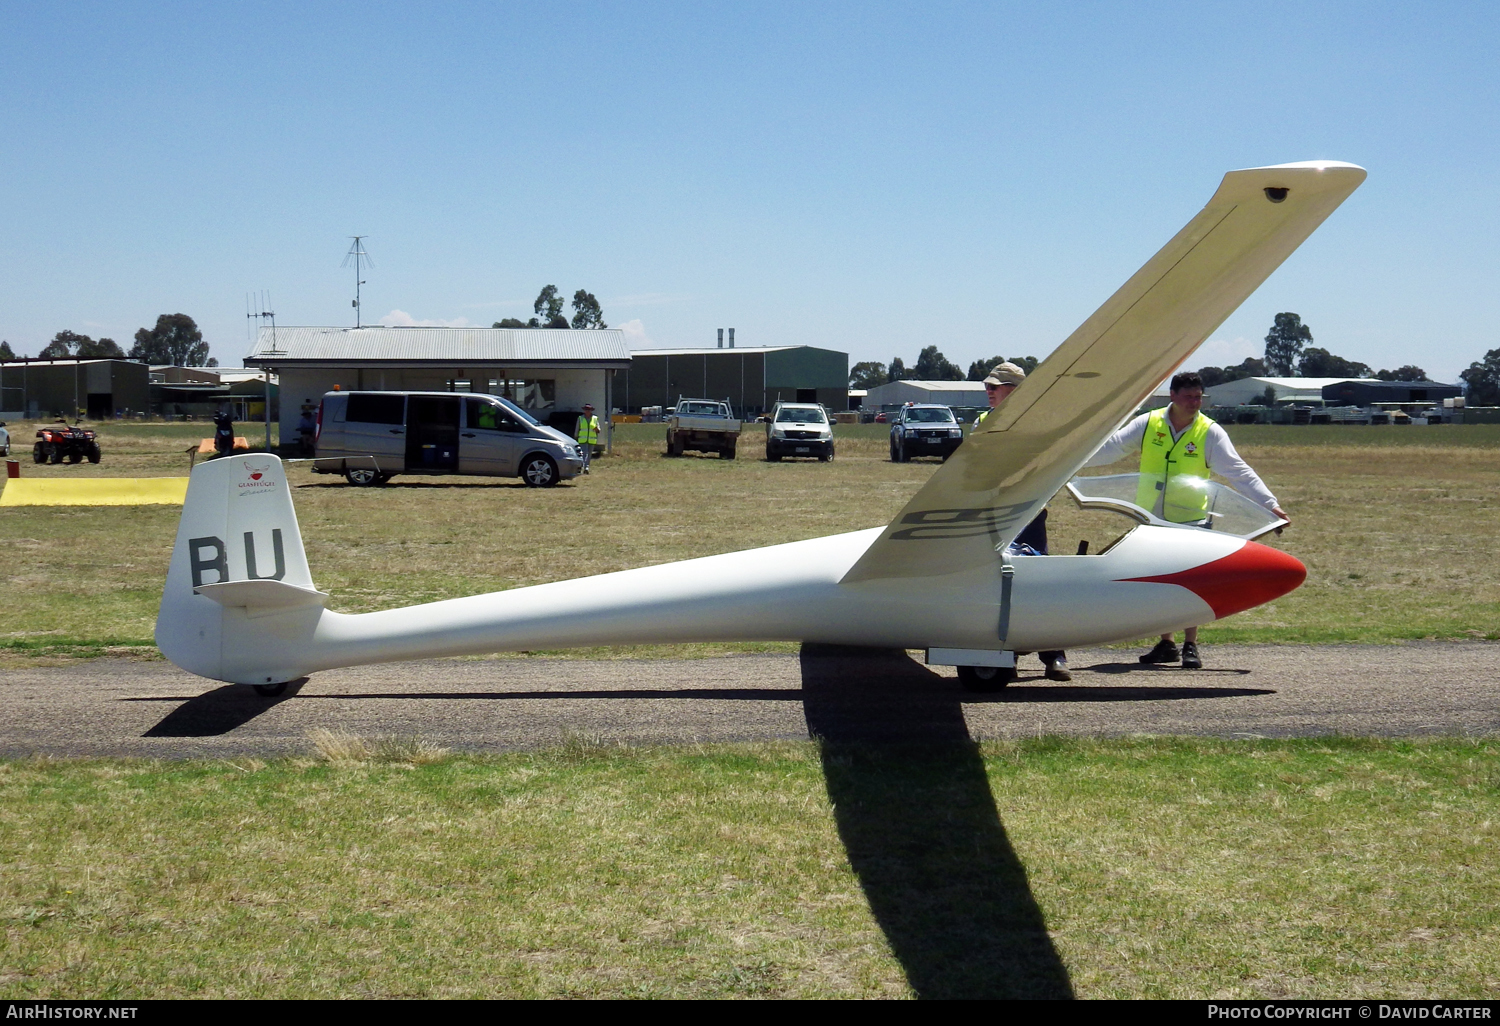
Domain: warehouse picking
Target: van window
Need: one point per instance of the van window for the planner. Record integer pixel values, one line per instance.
(490, 416)
(376, 408)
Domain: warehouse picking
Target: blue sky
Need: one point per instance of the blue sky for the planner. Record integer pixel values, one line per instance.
(869, 177)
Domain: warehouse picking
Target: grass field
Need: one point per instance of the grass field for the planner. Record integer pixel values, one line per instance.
(1131, 868)
(1395, 525)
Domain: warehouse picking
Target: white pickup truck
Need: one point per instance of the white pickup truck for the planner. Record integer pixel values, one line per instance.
(702, 425)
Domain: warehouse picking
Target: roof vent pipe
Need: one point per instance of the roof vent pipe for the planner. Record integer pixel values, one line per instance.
(721, 338)
(731, 338)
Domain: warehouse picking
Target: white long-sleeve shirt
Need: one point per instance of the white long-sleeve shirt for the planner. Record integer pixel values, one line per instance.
(1219, 455)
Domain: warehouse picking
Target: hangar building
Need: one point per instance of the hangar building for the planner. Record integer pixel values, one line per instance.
(1372, 393)
(751, 378)
(30, 389)
(549, 371)
(962, 394)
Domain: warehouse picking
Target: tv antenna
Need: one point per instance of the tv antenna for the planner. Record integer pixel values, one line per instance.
(361, 259)
(257, 309)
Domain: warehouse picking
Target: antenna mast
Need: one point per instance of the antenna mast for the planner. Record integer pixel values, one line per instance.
(360, 259)
(261, 307)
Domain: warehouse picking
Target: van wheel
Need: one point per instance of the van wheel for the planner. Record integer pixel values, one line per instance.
(985, 678)
(772, 457)
(539, 472)
(364, 476)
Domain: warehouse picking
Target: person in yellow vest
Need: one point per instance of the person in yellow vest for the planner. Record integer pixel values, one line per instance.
(998, 385)
(1178, 447)
(587, 434)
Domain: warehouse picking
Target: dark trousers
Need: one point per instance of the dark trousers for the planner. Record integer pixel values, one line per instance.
(1035, 535)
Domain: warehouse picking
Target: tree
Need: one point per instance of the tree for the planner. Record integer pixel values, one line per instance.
(63, 345)
(980, 369)
(548, 307)
(509, 322)
(1482, 381)
(175, 340)
(6, 353)
(897, 371)
(934, 366)
(586, 311)
(1266, 398)
(1320, 363)
(104, 349)
(1252, 367)
(1284, 344)
(1410, 372)
(867, 374)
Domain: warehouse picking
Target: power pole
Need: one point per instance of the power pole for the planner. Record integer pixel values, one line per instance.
(360, 259)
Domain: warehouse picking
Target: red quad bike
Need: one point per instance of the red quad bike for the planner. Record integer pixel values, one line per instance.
(54, 444)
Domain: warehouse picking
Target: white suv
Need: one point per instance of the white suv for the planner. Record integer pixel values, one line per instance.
(799, 429)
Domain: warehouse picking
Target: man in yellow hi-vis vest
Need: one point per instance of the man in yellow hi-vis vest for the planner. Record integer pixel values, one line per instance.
(1178, 447)
(587, 433)
(1001, 381)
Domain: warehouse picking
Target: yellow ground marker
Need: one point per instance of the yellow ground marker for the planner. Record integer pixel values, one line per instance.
(94, 491)
(207, 445)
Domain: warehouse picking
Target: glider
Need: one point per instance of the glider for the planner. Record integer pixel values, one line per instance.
(240, 604)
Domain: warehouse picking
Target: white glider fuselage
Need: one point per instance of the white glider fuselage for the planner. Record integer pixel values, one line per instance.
(788, 592)
(240, 605)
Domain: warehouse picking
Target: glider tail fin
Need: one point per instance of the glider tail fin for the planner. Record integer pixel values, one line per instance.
(239, 599)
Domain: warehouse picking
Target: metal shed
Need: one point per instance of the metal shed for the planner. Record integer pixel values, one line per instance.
(1371, 393)
(752, 378)
(550, 371)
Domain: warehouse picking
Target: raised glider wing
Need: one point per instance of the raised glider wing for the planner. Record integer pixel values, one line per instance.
(239, 603)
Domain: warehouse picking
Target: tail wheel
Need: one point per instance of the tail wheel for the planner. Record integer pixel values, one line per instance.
(269, 690)
(985, 678)
(539, 471)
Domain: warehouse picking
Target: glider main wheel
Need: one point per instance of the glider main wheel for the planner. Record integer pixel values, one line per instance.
(269, 690)
(985, 678)
(539, 472)
(363, 477)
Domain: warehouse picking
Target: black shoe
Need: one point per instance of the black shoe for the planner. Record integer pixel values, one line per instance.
(1190, 660)
(1057, 666)
(1164, 652)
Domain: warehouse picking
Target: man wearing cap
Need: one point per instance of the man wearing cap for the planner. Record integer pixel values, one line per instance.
(1180, 444)
(587, 433)
(998, 385)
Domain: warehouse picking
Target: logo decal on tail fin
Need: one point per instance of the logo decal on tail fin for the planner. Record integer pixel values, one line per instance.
(958, 523)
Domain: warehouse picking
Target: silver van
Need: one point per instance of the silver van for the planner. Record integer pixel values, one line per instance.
(370, 437)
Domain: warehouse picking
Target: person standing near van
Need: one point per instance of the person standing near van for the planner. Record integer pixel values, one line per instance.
(587, 434)
(1178, 447)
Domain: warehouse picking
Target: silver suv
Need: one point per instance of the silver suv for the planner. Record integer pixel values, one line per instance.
(799, 429)
(924, 430)
(369, 437)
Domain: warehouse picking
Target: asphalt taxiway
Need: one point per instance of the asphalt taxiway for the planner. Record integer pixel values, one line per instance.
(151, 709)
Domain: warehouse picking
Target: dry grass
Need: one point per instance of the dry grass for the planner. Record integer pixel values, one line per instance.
(1393, 524)
(1187, 868)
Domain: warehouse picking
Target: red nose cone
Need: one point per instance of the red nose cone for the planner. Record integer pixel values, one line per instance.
(1249, 577)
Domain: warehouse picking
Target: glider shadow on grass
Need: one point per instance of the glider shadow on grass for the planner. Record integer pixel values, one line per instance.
(914, 810)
